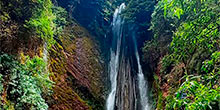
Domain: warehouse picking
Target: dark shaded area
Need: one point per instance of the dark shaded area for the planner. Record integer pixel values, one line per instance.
(139, 12)
(86, 12)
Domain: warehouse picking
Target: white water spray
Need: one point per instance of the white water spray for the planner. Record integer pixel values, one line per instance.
(114, 62)
(117, 28)
(45, 56)
(142, 84)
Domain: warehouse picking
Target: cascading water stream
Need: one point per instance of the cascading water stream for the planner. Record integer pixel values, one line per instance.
(45, 53)
(45, 56)
(142, 84)
(123, 94)
(114, 62)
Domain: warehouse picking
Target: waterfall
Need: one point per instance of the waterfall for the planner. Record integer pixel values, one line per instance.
(114, 61)
(123, 77)
(45, 52)
(45, 56)
(142, 84)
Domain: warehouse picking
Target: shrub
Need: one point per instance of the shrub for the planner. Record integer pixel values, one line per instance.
(27, 82)
(194, 95)
(41, 22)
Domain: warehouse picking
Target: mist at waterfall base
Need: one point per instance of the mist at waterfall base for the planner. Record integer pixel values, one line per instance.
(129, 89)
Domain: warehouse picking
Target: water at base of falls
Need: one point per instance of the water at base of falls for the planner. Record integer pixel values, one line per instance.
(125, 93)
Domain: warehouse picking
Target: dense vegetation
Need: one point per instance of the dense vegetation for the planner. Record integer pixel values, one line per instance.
(38, 18)
(25, 83)
(189, 67)
(24, 80)
(42, 47)
(38, 47)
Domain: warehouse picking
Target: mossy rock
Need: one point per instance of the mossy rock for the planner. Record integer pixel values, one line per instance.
(75, 62)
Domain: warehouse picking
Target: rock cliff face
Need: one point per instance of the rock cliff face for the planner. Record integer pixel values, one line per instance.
(75, 62)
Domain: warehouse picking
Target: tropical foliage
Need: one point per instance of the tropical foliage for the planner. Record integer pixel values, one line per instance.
(193, 27)
(200, 92)
(28, 83)
(60, 19)
(41, 21)
(38, 18)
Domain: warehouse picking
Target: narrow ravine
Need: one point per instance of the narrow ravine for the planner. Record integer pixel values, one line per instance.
(109, 55)
(128, 87)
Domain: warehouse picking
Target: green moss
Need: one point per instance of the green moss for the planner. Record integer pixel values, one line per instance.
(64, 94)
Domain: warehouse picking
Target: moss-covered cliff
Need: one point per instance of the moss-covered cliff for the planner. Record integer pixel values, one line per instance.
(70, 53)
(76, 64)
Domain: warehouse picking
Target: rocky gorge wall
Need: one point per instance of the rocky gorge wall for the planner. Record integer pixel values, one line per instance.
(74, 61)
(77, 60)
